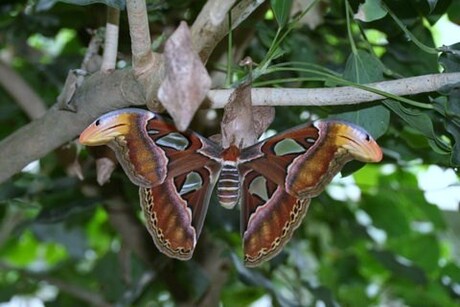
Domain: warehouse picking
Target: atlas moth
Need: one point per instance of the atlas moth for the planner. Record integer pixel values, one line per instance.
(274, 180)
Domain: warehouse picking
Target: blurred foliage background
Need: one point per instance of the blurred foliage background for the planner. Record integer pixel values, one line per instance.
(375, 237)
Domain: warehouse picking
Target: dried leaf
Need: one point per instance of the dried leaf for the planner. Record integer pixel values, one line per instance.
(263, 117)
(73, 81)
(238, 122)
(106, 162)
(315, 15)
(68, 158)
(74, 169)
(216, 138)
(104, 169)
(186, 80)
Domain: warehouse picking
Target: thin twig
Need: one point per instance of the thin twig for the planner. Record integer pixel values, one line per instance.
(147, 65)
(92, 50)
(23, 94)
(143, 59)
(109, 57)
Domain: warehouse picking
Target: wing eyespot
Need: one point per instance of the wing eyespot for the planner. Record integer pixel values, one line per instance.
(98, 122)
(310, 140)
(368, 137)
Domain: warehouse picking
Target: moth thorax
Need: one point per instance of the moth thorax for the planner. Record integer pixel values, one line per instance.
(228, 187)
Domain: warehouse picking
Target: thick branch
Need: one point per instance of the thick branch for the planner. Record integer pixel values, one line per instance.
(345, 95)
(211, 24)
(102, 93)
(24, 95)
(99, 93)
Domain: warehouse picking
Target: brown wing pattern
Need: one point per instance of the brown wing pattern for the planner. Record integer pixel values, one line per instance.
(175, 210)
(279, 151)
(269, 217)
(175, 170)
(178, 170)
(314, 155)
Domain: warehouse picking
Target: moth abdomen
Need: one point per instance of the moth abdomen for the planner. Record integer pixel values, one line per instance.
(228, 187)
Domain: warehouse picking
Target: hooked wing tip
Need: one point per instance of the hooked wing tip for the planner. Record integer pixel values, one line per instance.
(111, 125)
(95, 134)
(360, 144)
(357, 141)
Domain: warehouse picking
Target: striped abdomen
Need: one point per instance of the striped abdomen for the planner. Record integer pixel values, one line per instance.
(228, 187)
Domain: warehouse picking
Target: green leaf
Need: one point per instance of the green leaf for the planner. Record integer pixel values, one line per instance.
(419, 121)
(450, 58)
(363, 67)
(450, 109)
(353, 294)
(24, 250)
(109, 274)
(253, 277)
(43, 5)
(320, 293)
(399, 268)
(406, 58)
(282, 11)
(433, 294)
(401, 188)
(370, 10)
(386, 214)
(367, 178)
(415, 249)
(454, 11)
(452, 123)
(452, 271)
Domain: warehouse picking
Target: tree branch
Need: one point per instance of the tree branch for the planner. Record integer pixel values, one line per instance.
(24, 95)
(91, 54)
(92, 298)
(147, 66)
(102, 93)
(211, 25)
(345, 95)
(99, 94)
(109, 58)
(139, 32)
(217, 271)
